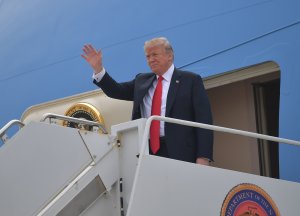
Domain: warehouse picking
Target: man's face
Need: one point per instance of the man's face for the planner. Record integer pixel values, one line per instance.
(158, 59)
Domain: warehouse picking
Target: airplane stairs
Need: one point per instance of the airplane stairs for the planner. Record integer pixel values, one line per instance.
(49, 169)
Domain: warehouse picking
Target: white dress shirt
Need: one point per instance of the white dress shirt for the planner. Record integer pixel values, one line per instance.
(147, 101)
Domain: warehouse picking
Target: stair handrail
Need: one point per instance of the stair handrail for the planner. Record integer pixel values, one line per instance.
(74, 120)
(4, 129)
(145, 141)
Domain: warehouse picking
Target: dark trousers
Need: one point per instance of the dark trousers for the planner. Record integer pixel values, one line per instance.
(163, 151)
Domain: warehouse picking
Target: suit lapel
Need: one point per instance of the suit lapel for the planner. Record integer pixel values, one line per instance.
(142, 88)
(174, 85)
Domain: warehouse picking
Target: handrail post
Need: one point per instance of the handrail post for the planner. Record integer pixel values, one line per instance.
(4, 137)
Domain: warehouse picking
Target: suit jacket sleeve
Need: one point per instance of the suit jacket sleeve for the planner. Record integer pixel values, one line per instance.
(202, 114)
(113, 89)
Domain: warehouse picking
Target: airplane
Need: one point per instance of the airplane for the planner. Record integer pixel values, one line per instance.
(246, 52)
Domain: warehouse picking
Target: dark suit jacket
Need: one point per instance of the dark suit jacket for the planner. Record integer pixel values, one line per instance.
(186, 100)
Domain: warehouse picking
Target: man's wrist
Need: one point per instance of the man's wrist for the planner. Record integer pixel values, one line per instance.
(101, 69)
(99, 75)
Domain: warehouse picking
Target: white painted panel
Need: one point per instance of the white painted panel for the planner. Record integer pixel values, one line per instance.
(170, 187)
(36, 164)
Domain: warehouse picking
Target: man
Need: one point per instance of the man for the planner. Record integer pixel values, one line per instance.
(166, 91)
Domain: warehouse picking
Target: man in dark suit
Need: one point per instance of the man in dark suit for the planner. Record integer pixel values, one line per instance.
(177, 94)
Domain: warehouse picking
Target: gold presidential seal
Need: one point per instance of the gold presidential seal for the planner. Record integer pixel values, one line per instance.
(83, 111)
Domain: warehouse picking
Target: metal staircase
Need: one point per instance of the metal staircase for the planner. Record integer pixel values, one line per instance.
(48, 169)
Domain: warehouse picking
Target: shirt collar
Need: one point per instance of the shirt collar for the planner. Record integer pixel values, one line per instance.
(168, 75)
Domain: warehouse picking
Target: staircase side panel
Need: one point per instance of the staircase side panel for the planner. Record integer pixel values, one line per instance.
(37, 163)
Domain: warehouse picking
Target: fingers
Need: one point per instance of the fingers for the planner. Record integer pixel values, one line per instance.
(93, 57)
(88, 49)
(83, 56)
(90, 52)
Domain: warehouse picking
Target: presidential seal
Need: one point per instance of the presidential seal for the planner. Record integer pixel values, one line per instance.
(248, 200)
(83, 111)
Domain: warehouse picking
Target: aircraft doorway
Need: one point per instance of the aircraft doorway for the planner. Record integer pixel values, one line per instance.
(241, 99)
(266, 96)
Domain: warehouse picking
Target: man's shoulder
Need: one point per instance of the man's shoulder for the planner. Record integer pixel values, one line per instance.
(144, 75)
(187, 74)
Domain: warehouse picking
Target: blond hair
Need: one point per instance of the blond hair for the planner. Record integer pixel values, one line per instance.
(160, 41)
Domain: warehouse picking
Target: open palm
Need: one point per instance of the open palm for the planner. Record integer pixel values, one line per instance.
(93, 57)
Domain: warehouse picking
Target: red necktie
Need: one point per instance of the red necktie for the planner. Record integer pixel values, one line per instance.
(155, 110)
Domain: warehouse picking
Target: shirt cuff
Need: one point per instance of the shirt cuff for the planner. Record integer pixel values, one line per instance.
(98, 77)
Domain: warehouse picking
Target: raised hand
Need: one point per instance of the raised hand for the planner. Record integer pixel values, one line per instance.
(93, 57)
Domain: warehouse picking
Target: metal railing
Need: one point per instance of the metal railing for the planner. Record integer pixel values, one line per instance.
(214, 128)
(3, 136)
(82, 122)
(145, 140)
